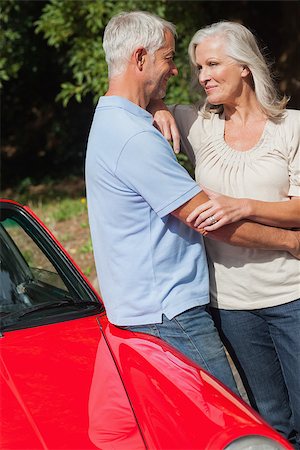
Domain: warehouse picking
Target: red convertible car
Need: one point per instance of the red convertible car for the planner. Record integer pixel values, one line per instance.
(71, 380)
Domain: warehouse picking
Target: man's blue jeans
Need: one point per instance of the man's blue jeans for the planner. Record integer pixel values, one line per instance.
(194, 334)
(265, 346)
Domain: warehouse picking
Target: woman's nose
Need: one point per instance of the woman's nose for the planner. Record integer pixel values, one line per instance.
(204, 75)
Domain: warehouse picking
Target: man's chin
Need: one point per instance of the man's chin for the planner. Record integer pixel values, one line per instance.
(159, 95)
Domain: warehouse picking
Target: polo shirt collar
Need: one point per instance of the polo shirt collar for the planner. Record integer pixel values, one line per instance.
(122, 102)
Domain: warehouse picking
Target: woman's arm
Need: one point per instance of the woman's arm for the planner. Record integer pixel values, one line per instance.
(223, 210)
(243, 233)
(165, 122)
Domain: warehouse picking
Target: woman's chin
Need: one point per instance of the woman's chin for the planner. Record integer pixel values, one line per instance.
(213, 100)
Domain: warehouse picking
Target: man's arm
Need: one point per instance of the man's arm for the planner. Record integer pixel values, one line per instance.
(244, 233)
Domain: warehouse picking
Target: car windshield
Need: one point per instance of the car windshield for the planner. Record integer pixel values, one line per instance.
(35, 277)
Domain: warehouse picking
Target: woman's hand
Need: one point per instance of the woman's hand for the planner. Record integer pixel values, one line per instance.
(218, 211)
(165, 123)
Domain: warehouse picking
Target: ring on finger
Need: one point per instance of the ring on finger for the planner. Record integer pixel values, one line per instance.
(213, 219)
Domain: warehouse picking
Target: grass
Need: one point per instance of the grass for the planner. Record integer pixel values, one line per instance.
(68, 208)
(87, 248)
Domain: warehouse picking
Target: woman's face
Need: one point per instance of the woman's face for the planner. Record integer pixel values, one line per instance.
(220, 76)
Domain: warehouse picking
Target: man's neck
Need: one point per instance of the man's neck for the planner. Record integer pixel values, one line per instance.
(124, 87)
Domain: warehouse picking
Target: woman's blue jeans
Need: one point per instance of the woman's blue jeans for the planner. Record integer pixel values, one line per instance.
(265, 346)
(194, 334)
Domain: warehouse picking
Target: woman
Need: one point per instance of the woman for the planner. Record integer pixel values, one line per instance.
(245, 145)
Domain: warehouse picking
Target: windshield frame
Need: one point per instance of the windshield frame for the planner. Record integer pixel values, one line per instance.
(76, 283)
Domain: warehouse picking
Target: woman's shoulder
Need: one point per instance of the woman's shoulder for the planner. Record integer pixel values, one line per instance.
(194, 113)
(293, 112)
(287, 130)
(184, 111)
(186, 116)
(291, 117)
(290, 123)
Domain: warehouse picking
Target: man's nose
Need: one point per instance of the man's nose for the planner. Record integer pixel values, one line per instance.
(174, 70)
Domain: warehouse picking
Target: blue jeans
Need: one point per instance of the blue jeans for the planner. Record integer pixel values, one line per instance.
(194, 334)
(265, 346)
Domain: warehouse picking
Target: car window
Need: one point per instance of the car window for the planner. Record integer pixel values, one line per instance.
(25, 270)
(40, 266)
(37, 282)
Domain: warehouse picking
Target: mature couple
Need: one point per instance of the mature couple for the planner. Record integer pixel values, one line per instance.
(148, 216)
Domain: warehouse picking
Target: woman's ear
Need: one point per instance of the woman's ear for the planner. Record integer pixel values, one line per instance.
(245, 71)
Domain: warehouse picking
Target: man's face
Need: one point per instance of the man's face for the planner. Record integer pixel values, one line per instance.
(161, 68)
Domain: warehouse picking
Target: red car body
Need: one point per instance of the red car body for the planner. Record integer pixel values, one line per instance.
(82, 383)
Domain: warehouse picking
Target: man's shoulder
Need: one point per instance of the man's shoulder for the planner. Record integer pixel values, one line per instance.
(121, 122)
(117, 131)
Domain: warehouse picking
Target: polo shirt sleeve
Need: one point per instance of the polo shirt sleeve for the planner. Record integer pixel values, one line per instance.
(147, 166)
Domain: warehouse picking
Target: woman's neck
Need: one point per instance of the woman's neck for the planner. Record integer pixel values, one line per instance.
(244, 110)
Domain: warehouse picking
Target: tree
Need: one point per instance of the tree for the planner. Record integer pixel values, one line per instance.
(77, 29)
(52, 68)
(34, 127)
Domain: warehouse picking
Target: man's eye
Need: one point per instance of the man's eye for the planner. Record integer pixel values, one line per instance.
(213, 63)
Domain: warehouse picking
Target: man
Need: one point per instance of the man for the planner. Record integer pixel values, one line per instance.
(151, 265)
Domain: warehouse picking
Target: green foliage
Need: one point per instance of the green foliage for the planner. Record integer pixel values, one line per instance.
(186, 163)
(18, 45)
(52, 49)
(76, 29)
(10, 59)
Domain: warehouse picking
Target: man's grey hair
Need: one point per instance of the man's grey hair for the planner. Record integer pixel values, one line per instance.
(129, 30)
(241, 45)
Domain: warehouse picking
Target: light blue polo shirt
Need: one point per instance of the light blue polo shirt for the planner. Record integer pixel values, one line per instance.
(148, 262)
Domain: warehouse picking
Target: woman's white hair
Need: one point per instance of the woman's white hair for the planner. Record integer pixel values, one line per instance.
(129, 30)
(241, 45)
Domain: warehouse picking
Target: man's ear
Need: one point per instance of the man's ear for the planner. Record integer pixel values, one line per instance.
(139, 55)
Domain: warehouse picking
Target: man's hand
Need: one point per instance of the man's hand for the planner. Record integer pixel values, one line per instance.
(295, 249)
